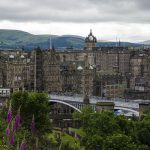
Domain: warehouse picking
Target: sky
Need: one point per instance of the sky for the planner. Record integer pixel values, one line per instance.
(110, 20)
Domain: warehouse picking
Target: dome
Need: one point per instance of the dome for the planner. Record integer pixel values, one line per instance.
(80, 68)
(11, 56)
(22, 56)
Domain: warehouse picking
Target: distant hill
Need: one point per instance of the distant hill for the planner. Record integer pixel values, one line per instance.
(14, 39)
(145, 42)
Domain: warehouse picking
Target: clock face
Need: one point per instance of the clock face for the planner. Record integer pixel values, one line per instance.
(91, 38)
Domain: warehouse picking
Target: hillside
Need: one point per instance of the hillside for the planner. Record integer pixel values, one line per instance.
(12, 39)
(145, 42)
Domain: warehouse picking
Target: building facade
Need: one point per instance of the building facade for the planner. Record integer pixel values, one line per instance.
(100, 71)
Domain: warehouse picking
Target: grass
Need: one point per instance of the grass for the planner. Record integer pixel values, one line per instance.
(73, 143)
(65, 140)
(78, 131)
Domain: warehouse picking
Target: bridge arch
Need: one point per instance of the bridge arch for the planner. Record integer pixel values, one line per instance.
(127, 109)
(136, 113)
(65, 103)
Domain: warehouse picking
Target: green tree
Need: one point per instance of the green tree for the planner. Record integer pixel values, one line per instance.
(143, 147)
(32, 104)
(119, 142)
(103, 123)
(107, 131)
(94, 142)
(142, 133)
(126, 126)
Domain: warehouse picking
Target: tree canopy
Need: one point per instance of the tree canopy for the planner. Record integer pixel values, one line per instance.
(30, 104)
(106, 131)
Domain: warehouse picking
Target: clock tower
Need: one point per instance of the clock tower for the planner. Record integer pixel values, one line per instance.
(90, 41)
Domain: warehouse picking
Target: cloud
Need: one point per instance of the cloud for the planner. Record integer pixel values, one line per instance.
(132, 32)
(129, 20)
(76, 11)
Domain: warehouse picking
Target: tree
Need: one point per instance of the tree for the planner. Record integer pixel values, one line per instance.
(126, 126)
(94, 142)
(119, 142)
(96, 126)
(32, 104)
(142, 133)
(107, 131)
(103, 123)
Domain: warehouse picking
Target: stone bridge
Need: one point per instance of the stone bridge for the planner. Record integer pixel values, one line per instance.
(127, 108)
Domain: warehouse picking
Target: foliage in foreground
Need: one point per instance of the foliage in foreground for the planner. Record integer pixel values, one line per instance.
(29, 104)
(25, 105)
(32, 104)
(100, 131)
(106, 131)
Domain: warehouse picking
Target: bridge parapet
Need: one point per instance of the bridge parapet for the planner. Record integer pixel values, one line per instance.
(79, 99)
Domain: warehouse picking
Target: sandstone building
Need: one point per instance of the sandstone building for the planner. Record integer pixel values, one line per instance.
(101, 71)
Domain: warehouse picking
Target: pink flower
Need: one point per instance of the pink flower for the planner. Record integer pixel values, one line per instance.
(23, 145)
(11, 142)
(7, 131)
(9, 116)
(17, 120)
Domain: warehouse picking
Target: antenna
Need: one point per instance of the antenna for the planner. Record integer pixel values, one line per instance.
(116, 41)
(50, 42)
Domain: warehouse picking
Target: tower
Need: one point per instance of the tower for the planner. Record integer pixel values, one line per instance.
(90, 41)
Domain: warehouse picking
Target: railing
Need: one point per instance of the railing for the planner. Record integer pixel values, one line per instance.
(93, 100)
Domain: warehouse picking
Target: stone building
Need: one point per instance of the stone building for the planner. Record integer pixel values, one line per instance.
(71, 76)
(112, 59)
(100, 71)
(38, 70)
(51, 71)
(139, 64)
(109, 84)
(89, 73)
(139, 75)
(3, 71)
(18, 70)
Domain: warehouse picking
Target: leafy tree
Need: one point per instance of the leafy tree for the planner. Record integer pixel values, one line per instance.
(126, 126)
(143, 147)
(32, 104)
(94, 142)
(119, 142)
(101, 123)
(143, 132)
(107, 131)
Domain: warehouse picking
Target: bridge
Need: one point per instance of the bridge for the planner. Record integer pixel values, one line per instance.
(76, 103)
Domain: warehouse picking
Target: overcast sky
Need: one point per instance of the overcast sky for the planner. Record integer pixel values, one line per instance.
(128, 20)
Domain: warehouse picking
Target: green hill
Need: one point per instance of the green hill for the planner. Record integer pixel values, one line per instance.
(12, 39)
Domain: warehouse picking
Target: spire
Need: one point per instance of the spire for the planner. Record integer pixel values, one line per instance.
(50, 42)
(119, 43)
(90, 31)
